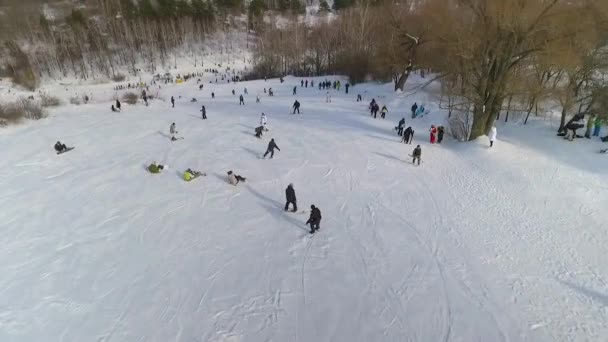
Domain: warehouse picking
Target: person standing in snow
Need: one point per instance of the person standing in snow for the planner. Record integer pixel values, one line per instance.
(173, 131)
(296, 107)
(414, 109)
(346, 86)
(302, 83)
(233, 92)
(294, 90)
(328, 98)
(359, 97)
(417, 154)
(172, 102)
(212, 95)
(241, 100)
(271, 146)
(400, 126)
(263, 121)
(408, 135)
(371, 106)
(306, 84)
(204, 113)
(597, 126)
(290, 193)
(118, 105)
(383, 112)
(440, 131)
(492, 135)
(375, 109)
(433, 132)
(315, 219)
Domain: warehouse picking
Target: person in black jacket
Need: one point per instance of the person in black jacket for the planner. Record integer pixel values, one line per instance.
(400, 126)
(408, 135)
(414, 109)
(271, 146)
(118, 105)
(296, 107)
(290, 193)
(59, 147)
(315, 219)
(204, 111)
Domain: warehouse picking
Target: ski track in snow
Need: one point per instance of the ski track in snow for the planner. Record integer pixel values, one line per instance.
(473, 245)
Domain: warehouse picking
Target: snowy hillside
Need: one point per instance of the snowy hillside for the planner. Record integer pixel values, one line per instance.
(476, 244)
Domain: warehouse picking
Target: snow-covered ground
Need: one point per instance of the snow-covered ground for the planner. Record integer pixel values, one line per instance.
(476, 244)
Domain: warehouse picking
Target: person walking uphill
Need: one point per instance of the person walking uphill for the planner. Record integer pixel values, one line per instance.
(296, 107)
(241, 100)
(414, 109)
(290, 194)
(315, 219)
(271, 146)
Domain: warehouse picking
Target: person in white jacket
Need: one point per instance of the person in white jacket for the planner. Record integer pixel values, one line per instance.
(492, 135)
(263, 121)
(234, 179)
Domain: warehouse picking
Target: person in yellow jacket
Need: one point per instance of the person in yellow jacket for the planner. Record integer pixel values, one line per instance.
(190, 175)
(154, 168)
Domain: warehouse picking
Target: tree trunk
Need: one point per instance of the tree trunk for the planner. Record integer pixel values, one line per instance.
(562, 122)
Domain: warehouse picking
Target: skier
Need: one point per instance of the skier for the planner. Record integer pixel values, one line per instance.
(296, 107)
(235, 179)
(315, 219)
(383, 112)
(399, 127)
(328, 98)
(346, 87)
(241, 100)
(290, 193)
(294, 90)
(190, 175)
(414, 109)
(173, 131)
(417, 154)
(433, 131)
(492, 135)
(263, 121)
(259, 131)
(172, 101)
(408, 135)
(204, 113)
(59, 147)
(440, 131)
(271, 146)
(154, 168)
(118, 105)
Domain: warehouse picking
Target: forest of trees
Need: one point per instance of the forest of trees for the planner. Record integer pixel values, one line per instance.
(491, 57)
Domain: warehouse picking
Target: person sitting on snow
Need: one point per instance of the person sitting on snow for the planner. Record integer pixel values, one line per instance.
(191, 174)
(154, 168)
(234, 179)
(59, 147)
(258, 131)
(113, 109)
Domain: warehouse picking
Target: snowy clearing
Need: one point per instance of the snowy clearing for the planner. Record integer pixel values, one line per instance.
(476, 244)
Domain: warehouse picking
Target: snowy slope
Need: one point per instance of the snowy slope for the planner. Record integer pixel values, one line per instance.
(476, 244)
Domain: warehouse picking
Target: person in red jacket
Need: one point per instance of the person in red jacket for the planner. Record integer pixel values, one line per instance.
(433, 134)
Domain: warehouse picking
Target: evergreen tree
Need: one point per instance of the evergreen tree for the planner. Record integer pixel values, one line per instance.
(342, 4)
(167, 8)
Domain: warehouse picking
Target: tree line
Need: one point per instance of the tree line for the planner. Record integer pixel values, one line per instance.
(490, 57)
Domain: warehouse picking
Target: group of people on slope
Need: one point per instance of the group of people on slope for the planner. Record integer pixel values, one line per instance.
(374, 108)
(314, 219)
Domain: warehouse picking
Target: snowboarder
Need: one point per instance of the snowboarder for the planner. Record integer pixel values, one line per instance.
(173, 131)
(241, 100)
(235, 179)
(118, 105)
(290, 193)
(433, 132)
(346, 87)
(417, 154)
(408, 135)
(204, 113)
(296, 107)
(172, 101)
(59, 147)
(294, 90)
(492, 135)
(154, 168)
(400, 126)
(190, 175)
(271, 146)
(414, 109)
(440, 131)
(263, 121)
(328, 98)
(259, 131)
(315, 219)
(383, 112)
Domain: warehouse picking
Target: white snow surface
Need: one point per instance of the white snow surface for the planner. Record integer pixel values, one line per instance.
(476, 244)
